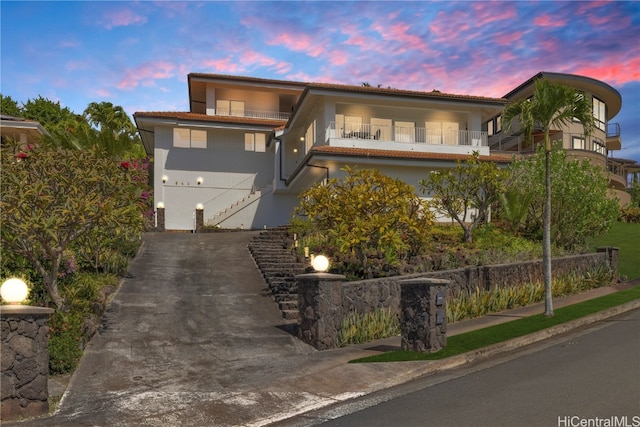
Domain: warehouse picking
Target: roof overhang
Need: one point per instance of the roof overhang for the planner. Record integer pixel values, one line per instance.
(19, 129)
(601, 90)
(146, 123)
(323, 157)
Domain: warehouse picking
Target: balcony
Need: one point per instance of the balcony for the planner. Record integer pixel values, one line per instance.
(404, 138)
(614, 141)
(253, 114)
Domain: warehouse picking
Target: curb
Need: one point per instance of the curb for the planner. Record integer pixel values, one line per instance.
(515, 343)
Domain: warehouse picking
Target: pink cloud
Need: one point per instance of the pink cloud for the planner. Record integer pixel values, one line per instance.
(547, 20)
(298, 42)
(485, 13)
(507, 39)
(224, 65)
(614, 71)
(254, 58)
(122, 18)
(146, 74)
(339, 57)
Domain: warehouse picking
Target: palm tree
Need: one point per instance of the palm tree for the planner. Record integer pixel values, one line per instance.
(552, 106)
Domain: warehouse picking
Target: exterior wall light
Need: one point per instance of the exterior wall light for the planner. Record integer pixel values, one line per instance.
(160, 205)
(165, 178)
(199, 207)
(14, 291)
(199, 180)
(320, 263)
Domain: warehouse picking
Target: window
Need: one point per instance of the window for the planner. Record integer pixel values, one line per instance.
(600, 114)
(578, 143)
(494, 125)
(405, 131)
(450, 133)
(189, 138)
(229, 108)
(381, 129)
(579, 97)
(433, 132)
(599, 147)
(255, 142)
(347, 125)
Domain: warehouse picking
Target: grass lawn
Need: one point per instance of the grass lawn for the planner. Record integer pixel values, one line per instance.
(625, 236)
(474, 340)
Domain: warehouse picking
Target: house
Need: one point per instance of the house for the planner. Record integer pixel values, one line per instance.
(22, 130)
(249, 146)
(597, 147)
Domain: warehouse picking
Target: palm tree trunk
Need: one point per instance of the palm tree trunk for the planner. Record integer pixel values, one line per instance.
(546, 238)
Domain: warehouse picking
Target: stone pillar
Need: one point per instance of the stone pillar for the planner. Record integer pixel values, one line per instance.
(611, 256)
(160, 219)
(423, 314)
(320, 311)
(199, 220)
(24, 362)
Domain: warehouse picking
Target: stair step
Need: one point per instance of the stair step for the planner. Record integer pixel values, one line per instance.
(288, 305)
(290, 314)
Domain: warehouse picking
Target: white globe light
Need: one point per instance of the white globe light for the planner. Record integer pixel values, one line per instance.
(14, 291)
(199, 207)
(320, 263)
(160, 205)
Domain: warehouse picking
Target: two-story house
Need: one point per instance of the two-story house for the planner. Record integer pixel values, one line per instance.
(248, 146)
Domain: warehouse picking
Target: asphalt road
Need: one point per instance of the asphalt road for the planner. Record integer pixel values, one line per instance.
(573, 380)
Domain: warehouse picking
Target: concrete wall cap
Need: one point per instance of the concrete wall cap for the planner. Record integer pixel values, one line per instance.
(424, 281)
(320, 276)
(17, 310)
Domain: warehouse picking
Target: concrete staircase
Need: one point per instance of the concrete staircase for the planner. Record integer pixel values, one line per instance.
(273, 253)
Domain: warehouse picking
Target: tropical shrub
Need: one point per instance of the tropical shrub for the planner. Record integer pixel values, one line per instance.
(580, 206)
(480, 302)
(358, 328)
(364, 215)
(630, 214)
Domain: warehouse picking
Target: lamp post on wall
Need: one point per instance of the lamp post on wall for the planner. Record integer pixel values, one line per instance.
(14, 291)
(199, 217)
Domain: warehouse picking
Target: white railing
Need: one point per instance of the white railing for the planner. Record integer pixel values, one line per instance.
(365, 131)
(255, 114)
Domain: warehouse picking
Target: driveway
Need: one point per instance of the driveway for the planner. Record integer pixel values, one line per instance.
(187, 336)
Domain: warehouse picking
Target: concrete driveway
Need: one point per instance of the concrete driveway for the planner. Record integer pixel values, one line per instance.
(189, 340)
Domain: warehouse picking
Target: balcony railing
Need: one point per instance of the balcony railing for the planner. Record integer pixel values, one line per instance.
(254, 114)
(416, 135)
(613, 130)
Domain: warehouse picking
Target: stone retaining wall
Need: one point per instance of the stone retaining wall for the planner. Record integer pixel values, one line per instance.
(317, 312)
(372, 294)
(24, 361)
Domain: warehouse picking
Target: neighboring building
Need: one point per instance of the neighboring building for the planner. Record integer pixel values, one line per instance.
(248, 147)
(23, 130)
(597, 147)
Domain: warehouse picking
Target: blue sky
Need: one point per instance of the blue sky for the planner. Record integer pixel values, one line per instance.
(138, 54)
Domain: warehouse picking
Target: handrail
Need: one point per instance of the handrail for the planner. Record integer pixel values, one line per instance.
(613, 130)
(235, 187)
(255, 114)
(415, 135)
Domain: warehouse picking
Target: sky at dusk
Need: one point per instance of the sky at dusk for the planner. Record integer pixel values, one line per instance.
(138, 54)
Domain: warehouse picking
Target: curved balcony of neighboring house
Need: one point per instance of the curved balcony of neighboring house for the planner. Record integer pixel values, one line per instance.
(619, 170)
(614, 141)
